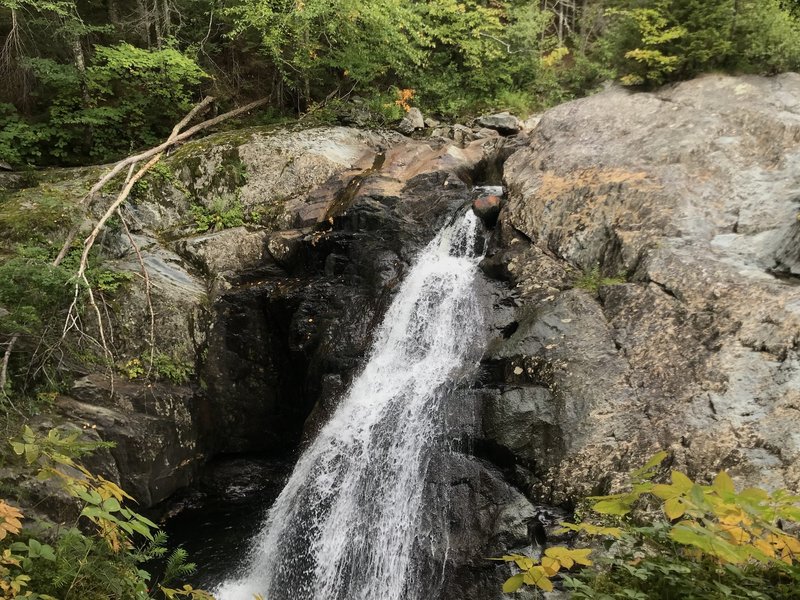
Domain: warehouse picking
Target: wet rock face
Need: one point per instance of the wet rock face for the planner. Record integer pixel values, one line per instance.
(261, 325)
(289, 334)
(155, 430)
(650, 240)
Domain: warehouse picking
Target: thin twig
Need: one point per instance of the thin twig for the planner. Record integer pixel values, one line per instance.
(4, 370)
(147, 288)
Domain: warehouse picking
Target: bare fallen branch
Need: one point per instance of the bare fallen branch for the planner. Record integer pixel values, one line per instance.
(174, 138)
(4, 366)
(170, 142)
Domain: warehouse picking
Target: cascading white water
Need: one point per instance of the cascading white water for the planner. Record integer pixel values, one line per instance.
(348, 525)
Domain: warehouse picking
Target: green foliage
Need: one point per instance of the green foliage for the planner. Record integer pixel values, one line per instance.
(172, 370)
(164, 367)
(128, 97)
(387, 105)
(539, 572)
(767, 38)
(224, 212)
(593, 280)
(654, 42)
(32, 291)
(308, 41)
(35, 296)
(133, 369)
(110, 281)
(649, 31)
(704, 541)
(157, 176)
(19, 140)
(81, 88)
(98, 558)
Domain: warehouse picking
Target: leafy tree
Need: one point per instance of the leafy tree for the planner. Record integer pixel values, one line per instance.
(315, 42)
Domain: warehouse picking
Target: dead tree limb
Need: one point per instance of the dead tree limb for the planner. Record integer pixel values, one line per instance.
(173, 139)
(4, 366)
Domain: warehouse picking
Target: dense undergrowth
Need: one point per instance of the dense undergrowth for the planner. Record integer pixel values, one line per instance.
(86, 81)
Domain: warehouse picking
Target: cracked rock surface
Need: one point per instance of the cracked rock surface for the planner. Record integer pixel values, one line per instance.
(689, 197)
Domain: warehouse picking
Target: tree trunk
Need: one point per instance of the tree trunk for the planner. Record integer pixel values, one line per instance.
(113, 13)
(167, 18)
(157, 22)
(80, 64)
(144, 20)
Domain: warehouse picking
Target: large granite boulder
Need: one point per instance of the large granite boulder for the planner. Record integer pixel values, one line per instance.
(651, 240)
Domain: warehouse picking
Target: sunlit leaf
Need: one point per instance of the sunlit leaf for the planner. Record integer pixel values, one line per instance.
(513, 583)
(674, 508)
(723, 483)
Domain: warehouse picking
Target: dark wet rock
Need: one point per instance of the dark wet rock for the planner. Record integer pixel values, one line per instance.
(155, 429)
(483, 516)
(487, 208)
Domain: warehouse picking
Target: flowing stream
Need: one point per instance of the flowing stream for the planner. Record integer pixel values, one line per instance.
(349, 524)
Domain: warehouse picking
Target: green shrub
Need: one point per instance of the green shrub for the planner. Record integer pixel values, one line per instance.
(102, 555)
(19, 140)
(128, 98)
(682, 539)
(223, 213)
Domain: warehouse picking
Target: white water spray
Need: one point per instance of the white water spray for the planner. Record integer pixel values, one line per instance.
(348, 524)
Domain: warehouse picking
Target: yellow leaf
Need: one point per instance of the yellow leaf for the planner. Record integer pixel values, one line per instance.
(512, 584)
(792, 543)
(765, 547)
(537, 576)
(681, 481)
(665, 492)
(524, 563)
(723, 484)
(674, 508)
(551, 566)
(560, 554)
(733, 516)
(736, 534)
(581, 556)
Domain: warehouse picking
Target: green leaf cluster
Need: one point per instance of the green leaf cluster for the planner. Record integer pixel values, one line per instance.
(663, 40)
(127, 97)
(705, 542)
(100, 557)
(223, 212)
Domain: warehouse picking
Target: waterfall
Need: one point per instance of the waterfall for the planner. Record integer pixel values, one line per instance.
(348, 525)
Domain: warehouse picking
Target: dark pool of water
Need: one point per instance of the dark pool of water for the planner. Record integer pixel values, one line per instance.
(217, 518)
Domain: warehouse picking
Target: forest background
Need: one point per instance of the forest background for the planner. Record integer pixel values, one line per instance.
(88, 81)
